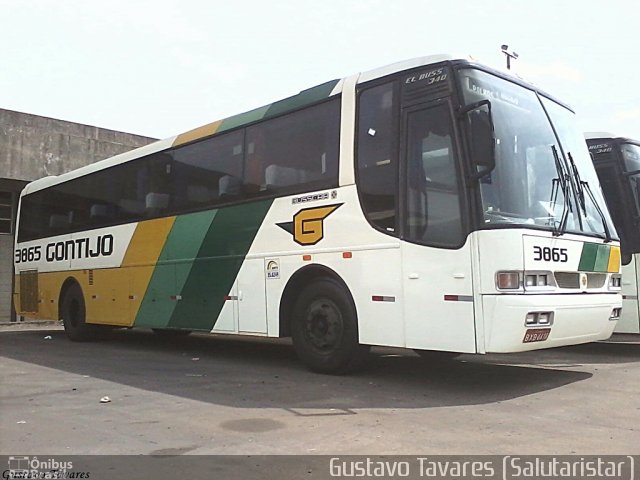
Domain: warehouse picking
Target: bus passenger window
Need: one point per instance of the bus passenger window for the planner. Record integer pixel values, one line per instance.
(294, 153)
(207, 172)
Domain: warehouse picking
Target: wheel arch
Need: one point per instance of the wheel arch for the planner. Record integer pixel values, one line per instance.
(296, 283)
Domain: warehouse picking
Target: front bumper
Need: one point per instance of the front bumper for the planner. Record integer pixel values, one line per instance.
(578, 318)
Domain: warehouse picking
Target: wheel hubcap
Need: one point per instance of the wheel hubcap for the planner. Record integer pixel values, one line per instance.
(323, 325)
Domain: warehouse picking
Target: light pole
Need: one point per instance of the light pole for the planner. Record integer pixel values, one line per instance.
(509, 55)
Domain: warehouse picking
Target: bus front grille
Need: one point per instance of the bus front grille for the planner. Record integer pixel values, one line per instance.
(567, 279)
(572, 280)
(596, 280)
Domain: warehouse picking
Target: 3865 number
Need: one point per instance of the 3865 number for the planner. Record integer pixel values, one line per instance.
(549, 254)
(31, 254)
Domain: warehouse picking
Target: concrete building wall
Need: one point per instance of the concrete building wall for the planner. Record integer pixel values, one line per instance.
(33, 147)
(6, 274)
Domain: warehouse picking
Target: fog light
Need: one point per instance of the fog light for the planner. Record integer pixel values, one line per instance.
(538, 319)
(542, 281)
(544, 318)
(615, 314)
(508, 280)
(530, 280)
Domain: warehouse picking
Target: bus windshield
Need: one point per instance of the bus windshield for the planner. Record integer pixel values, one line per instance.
(530, 184)
(631, 155)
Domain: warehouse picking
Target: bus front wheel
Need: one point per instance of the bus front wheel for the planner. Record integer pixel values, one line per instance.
(73, 316)
(325, 329)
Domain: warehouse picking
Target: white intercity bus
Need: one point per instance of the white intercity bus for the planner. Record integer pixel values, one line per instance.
(617, 162)
(435, 204)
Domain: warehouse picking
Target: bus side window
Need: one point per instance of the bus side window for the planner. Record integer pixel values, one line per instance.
(377, 174)
(207, 172)
(294, 153)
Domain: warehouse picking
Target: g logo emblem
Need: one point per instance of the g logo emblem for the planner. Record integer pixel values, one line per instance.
(307, 227)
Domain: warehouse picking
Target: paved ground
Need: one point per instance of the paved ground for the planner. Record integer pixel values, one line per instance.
(204, 394)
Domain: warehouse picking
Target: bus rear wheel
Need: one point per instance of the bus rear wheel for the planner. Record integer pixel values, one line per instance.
(73, 314)
(325, 329)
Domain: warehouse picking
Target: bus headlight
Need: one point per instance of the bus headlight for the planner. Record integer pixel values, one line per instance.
(508, 280)
(615, 281)
(537, 279)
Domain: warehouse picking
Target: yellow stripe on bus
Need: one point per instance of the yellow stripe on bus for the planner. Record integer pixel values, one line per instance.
(112, 295)
(614, 260)
(147, 242)
(120, 291)
(197, 133)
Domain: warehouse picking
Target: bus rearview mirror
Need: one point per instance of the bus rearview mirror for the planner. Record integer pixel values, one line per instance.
(481, 137)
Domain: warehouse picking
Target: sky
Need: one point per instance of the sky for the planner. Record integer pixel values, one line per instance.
(162, 67)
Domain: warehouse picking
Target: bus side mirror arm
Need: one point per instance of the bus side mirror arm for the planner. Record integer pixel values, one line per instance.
(480, 136)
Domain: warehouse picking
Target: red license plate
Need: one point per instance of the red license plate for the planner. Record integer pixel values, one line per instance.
(536, 335)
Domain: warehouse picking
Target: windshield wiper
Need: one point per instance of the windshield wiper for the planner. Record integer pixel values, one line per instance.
(578, 183)
(561, 182)
(583, 185)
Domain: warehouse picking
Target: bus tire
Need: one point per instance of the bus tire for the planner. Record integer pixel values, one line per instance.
(73, 314)
(325, 329)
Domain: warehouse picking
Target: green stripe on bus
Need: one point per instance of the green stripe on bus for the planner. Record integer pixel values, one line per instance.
(172, 270)
(602, 259)
(243, 119)
(216, 267)
(588, 257)
(305, 97)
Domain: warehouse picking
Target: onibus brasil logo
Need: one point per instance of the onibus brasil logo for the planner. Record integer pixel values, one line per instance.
(32, 467)
(307, 226)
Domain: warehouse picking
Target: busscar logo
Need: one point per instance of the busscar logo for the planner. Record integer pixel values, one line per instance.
(307, 227)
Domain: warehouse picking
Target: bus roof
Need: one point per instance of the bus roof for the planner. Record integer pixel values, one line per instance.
(305, 97)
(593, 135)
(609, 136)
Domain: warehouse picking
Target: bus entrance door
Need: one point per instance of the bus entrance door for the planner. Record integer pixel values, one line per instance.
(436, 255)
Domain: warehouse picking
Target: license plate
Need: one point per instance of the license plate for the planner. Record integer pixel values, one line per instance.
(536, 335)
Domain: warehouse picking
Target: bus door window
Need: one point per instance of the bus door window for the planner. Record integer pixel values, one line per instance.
(432, 197)
(377, 155)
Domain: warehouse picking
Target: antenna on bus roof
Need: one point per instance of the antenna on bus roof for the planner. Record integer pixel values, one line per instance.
(509, 54)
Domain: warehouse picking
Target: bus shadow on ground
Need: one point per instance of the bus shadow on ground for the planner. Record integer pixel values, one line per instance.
(267, 374)
(574, 356)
